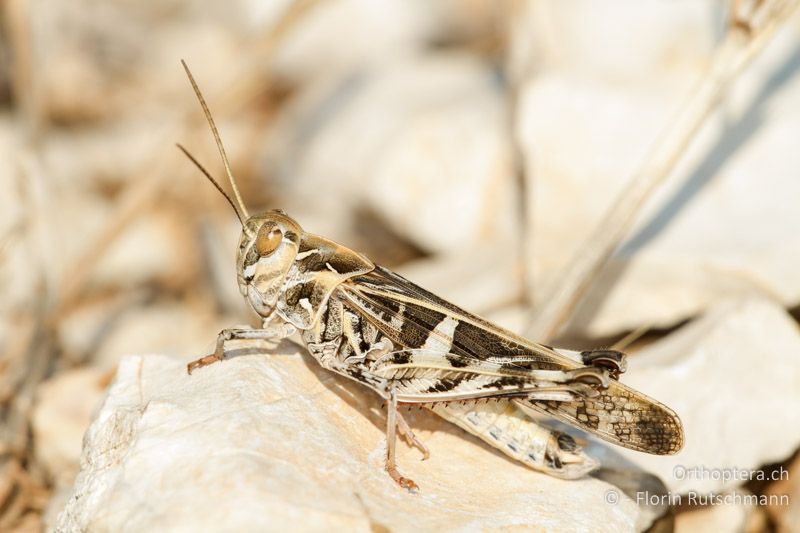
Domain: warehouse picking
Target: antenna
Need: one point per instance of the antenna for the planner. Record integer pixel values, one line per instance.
(212, 180)
(241, 212)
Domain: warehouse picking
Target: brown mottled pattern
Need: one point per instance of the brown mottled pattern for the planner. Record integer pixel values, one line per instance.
(619, 414)
(622, 416)
(417, 322)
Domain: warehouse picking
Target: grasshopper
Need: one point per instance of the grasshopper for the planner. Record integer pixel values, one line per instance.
(371, 325)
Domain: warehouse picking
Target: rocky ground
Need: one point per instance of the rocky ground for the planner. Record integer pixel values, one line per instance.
(473, 147)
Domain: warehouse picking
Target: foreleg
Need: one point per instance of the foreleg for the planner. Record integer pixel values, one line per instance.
(271, 332)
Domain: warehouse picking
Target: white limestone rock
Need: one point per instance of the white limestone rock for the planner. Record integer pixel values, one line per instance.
(588, 117)
(376, 32)
(735, 516)
(272, 441)
(423, 142)
(733, 377)
(62, 412)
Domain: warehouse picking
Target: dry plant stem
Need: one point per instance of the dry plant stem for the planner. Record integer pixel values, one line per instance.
(251, 83)
(26, 92)
(137, 200)
(631, 337)
(28, 356)
(147, 188)
(513, 12)
(741, 44)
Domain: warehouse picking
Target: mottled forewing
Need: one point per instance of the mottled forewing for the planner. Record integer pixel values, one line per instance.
(623, 416)
(410, 315)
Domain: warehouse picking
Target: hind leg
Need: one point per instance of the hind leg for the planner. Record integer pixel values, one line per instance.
(391, 442)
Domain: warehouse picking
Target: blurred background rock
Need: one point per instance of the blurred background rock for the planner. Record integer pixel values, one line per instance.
(471, 145)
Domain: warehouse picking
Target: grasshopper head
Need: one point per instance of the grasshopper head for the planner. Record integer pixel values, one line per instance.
(268, 246)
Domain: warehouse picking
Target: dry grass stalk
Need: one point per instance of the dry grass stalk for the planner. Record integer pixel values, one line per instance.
(148, 187)
(33, 355)
(750, 28)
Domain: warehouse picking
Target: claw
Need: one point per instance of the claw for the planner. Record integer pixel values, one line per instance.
(404, 482)
(392, 423)
(203, 361)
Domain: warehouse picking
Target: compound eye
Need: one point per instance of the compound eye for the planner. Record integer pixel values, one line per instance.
(268, 239)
